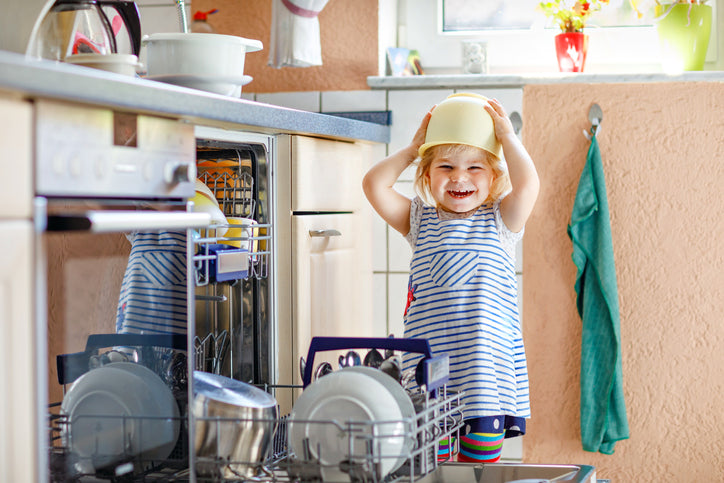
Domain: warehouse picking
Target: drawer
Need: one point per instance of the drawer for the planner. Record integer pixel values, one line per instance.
(327, 174)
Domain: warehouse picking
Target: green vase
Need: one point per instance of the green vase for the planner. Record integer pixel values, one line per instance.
(684, 36)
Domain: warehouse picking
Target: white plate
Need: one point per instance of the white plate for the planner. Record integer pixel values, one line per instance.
(225, 85)
(348, 396)
(167, 430)
(403, 400)
(105, 408)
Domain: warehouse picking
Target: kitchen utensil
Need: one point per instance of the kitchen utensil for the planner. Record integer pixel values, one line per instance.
(392, 366)
(234, 424)
(302, 366)
(462, 119)
(124, 64)
(323, 369)
(336, 416)
(209, 62)
(115, 413)
(373, 358)
(351, 358)
(68, 27)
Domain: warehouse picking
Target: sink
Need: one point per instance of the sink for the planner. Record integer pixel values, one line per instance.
(509, 472)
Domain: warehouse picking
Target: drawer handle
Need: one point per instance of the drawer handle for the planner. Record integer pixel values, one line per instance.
(324, 233)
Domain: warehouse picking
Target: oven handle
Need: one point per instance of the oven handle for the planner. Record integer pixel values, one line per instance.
(125, 221)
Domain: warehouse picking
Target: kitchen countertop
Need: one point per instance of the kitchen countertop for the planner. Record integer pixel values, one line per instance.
(45, 79)
(509, 80)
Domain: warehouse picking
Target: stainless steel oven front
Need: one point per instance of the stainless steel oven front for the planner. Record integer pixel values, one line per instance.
(139, 284)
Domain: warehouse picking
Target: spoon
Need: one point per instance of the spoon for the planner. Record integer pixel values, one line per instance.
(350, 359)
(392, 367)
(322, 370)
(373, 359)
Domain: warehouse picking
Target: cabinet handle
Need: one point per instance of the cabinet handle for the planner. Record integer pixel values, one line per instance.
(324, 233)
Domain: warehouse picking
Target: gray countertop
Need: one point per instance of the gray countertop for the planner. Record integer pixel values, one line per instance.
(508, 80)
(43, 79)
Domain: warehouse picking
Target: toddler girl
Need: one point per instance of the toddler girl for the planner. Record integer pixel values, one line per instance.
(463, 227)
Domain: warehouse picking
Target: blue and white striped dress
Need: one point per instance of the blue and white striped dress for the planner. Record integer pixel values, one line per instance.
(153, 294)
(463, 300)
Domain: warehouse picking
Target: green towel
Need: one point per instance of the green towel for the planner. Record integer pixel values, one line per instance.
(603, 411)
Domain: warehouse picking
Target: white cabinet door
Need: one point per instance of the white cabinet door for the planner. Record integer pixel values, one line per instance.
(16, 183)
(332, 281)
(19, 402)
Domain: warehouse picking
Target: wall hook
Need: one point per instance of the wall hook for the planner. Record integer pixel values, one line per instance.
(595, 115)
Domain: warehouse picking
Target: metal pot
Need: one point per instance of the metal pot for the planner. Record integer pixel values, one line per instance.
(234, 425)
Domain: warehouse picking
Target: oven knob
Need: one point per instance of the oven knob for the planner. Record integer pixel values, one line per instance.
(176, 172)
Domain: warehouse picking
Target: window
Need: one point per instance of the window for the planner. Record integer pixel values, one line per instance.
(518, 41)
(477, 16)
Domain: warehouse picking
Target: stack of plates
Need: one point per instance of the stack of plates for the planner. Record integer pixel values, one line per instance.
(117, 412)
(346, 412)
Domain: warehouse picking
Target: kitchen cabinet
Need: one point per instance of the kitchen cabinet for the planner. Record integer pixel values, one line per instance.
(324, 247)
(19, 426)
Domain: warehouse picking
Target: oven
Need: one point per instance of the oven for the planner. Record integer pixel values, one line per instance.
(138, 284)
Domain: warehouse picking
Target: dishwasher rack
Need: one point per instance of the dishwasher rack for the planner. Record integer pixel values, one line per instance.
(437, 418)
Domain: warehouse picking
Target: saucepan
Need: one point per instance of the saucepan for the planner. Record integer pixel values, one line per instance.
(234, 424)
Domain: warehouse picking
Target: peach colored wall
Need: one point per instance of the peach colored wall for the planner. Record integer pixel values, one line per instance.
(661, 147)
(348, 37)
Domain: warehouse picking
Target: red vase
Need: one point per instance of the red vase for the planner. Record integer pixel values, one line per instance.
(571, 48)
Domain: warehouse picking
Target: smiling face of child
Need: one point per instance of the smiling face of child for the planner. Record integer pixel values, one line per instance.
(460, 181)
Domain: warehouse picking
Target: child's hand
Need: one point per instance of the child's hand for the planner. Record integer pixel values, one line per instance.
(503, 126)
(419, 138)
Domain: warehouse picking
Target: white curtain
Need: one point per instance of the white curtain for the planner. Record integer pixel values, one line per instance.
(294, 38)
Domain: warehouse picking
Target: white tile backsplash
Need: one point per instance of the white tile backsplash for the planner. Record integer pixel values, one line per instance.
(353, 101)
(379, 244)
(408, 108)
(397, 299)
(304, 101)
(379, 309)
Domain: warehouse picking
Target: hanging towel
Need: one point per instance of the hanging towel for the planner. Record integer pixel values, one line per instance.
(294, 40)
(603, 411)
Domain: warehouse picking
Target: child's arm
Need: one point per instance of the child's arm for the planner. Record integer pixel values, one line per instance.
(378, 183)
(517, 206)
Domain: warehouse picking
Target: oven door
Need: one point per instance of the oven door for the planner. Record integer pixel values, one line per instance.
(115, 278)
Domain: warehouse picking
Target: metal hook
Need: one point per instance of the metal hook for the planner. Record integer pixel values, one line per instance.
(595, 115)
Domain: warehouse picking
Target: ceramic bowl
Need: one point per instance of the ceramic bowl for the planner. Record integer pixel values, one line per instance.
(209, 62)
(462, 119)
(125, 64)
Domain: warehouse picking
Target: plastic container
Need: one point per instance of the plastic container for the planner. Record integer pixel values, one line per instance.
(200, 22)
(462, 119)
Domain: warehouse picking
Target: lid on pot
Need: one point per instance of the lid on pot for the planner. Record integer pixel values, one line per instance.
(462, 119)
(231, 391)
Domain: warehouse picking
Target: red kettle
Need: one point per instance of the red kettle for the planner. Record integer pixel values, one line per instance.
(68, 27)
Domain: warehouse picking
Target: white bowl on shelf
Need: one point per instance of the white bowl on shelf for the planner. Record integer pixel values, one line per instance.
(208, 62)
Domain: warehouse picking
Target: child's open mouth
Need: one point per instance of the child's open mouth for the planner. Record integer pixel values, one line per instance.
(459, 194)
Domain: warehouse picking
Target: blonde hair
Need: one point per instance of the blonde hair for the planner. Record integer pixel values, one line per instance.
(501, 181)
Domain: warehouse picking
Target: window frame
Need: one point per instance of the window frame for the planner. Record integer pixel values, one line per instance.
(611, 49)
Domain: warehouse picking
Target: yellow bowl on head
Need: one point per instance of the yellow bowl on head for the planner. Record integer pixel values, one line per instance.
(462, 119)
